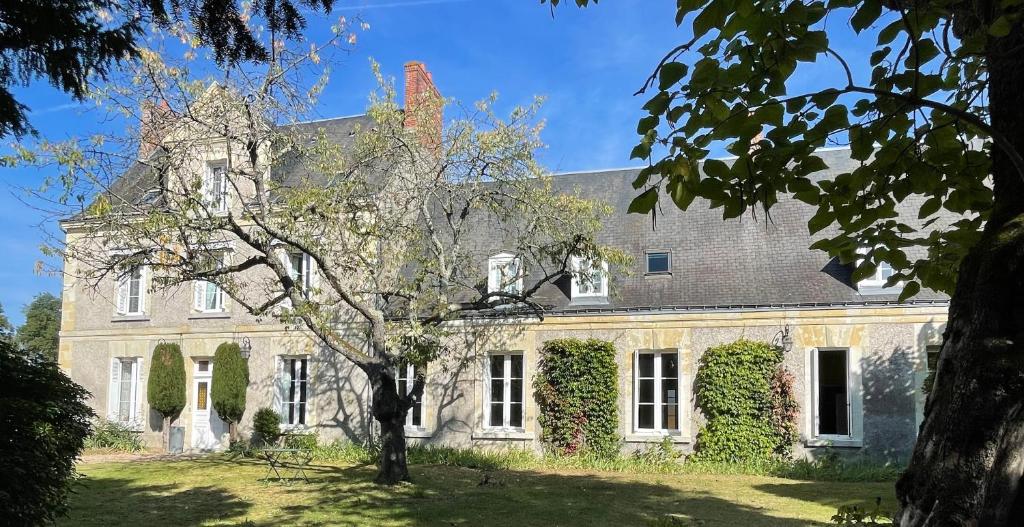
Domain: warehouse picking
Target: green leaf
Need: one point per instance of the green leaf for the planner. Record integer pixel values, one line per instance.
(869, 11)
(669, 74)
(647, 124)
(679, 194)
(1000, 27)
(931, 206)
(823, 218)
(909, 290)
(645, 202)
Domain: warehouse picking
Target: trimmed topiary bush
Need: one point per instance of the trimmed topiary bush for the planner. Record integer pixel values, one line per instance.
(748, 402)
(44, 420)
(266, 427)
(229, 383)
(165, 389)
(576, 388)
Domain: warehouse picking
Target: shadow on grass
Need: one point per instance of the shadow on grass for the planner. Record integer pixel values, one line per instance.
(158, 493)
(843, 493)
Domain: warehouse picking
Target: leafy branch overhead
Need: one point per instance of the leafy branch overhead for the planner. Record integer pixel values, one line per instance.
(916, 122)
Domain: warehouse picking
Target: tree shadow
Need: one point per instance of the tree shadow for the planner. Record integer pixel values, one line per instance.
(843, 493)
(118, 501)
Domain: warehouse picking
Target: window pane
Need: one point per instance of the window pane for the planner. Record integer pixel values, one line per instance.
(645, 365)
(517, 391)
(497, 415)
(517, 366)
(657, 263)
(646, 390)
(417, 414)
(497, 390)
(669, 365)
(515, 417)
(403, 388)
(669, 416)
(645, 416)
(497, 366)
(204, 365)
(201, 396)
(302, 414)
(833, 413)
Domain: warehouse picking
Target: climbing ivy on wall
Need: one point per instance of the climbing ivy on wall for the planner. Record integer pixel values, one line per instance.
(747, 399)
(576, 389)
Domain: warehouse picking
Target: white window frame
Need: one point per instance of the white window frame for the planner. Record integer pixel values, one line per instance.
(681, 414)
(497, 279)
(284, 382)
(854, 397)
(506, 392)
(124, 297)
(875, 284)
(215, 187)
(581, 267)
(407, 373)
(114, 391)
(303, 276)
(201, 292)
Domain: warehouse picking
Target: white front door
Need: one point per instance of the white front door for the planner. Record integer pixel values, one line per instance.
(207, 427)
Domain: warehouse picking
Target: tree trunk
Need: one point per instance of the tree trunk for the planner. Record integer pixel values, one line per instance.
(165, 435)
(389, 409)
(968, 463)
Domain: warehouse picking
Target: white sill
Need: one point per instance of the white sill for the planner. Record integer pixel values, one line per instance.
(837, 442)
(209, 314)
(655, 437)
(501, 434)
(138, 317)
(663, 274)
(416, 432)
(878, 288)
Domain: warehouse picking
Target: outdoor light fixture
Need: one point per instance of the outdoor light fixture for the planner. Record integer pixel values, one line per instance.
(246, 349)
(784, 339)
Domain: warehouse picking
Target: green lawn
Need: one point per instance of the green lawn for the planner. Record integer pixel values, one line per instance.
(216, 491)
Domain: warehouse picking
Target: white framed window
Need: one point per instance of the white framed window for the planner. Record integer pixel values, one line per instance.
(588, 279)
(300, 270)
(832, 393)
(876, 283)
(505, 273)
(208, 297)
(405, 377)
(657, 389)
(215, 187)
(658, 262)
(504, 395)
(123, 391)
(131, 291)
(293, 389)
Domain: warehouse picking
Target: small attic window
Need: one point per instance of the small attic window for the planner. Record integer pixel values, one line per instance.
(876, 283)
(150, 196)
(505, 273)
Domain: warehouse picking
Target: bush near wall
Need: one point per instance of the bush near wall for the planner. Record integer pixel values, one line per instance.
(576, 388)
(748, 401)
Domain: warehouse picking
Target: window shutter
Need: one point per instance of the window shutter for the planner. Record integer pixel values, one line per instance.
(113, 389)
(222, 199)
(136, 417)
(143, 288)
(198, 295)
(123, 284)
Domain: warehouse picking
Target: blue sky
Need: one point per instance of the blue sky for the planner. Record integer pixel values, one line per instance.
(586, 62)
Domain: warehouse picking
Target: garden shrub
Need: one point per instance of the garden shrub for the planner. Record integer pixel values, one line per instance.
(165, 389)
(266, 426)
(112, 435)
(747, 401)
(229, 383)
(576, 388)
(45, 420)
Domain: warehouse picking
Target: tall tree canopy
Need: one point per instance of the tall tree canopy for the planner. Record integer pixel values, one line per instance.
(39, 335)
(6, 328)
(934, 118)
(70, 42)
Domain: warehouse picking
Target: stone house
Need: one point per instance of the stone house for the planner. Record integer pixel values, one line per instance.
(859, 355)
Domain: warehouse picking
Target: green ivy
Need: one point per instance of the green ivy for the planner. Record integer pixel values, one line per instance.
(748, 401)
(577, 393)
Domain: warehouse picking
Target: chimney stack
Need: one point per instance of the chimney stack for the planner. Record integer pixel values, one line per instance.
(423, 104)
(154, 117)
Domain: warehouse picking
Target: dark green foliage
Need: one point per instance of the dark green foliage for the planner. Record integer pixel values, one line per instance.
(748, 404)
(44, 421)
(6, 329)
(39, 334)
(576, 388)
(229, 383)
(266, 426)
(166, 387)
(69, 43)
(113, 435)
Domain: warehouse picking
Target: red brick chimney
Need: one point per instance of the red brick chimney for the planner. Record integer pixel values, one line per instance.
(154, 121)
(422, 103)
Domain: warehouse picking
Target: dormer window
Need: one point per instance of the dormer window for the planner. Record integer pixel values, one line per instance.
(876, 283)
(589, 279)
(215, 187)
(505, 274)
